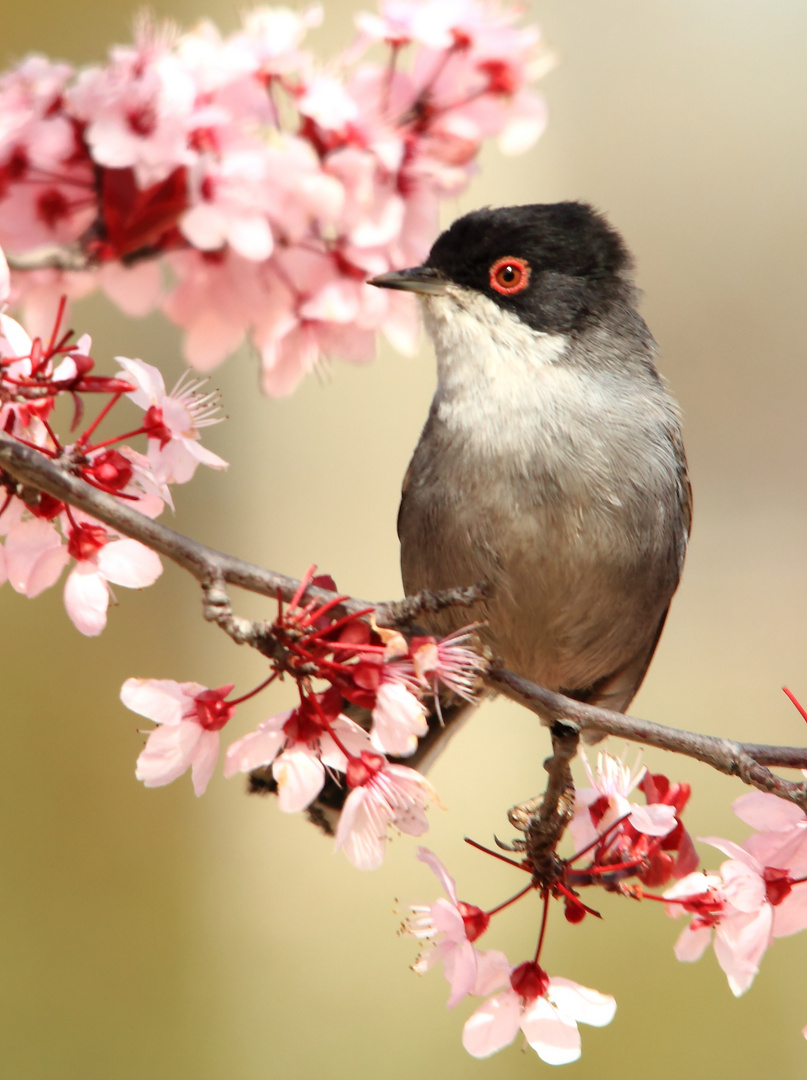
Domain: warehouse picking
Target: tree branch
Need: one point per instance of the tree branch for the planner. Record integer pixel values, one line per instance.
(214, 569)
(748, 761)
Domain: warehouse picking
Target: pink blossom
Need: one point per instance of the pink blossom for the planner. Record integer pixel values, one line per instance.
(175, 419)
(607, 802)
(35, 553)
(452, 926)
(781, 837)
(741, 904)
(190, 718)
(101, 559)
(546, 1009)
(399, 719)
(402, 21)
(273, 36)
(299, 749)
(381, 795)
(5, 280)
(45, 180)
(137, 109)
(242, 148)
(231, 206)
(450, 662)
(215, 302)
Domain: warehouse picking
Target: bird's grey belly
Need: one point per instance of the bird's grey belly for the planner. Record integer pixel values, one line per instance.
(572, 597)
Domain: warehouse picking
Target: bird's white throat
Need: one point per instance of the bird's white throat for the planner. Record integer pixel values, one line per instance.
(493, 369)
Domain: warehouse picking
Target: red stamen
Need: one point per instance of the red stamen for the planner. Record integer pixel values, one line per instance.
(796, 702)
(257, 690)
(544, 918)
(512, 900)
(83, 439)
(497, 855)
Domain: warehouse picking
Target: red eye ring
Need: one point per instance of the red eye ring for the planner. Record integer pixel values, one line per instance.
(509, 275)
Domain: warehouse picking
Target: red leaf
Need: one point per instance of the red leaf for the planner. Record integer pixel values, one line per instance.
(136, 218)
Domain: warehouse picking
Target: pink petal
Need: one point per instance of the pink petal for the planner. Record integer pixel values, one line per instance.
(743, 886)
(656, 819)
(205, 456)
(791, 915)
(553, 1036)
(398, 719)
(205, 756)
(161, 700)
(17, 338)
(492, 972)
(763, 811)
(362, 830)
(129, 563)
(353, 738)
(692, 944)
(492, 1026)
(459, 968)
(740, 942)
(734, 851)
(46, 570)
(447, 920)
(35, 555)
(86, 598)
(437, 868)
(581, 1003)
(149, 380)
(134, 289)
(256, 750)
(300, 775)
(167, 753)
(5, 279)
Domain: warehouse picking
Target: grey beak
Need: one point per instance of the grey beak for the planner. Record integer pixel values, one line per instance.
(419, 279)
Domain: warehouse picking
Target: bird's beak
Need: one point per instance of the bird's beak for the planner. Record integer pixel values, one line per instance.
(419, 279)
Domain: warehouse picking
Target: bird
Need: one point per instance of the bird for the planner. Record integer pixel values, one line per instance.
(551, 465)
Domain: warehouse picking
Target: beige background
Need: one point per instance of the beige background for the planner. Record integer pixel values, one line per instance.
(146, 934)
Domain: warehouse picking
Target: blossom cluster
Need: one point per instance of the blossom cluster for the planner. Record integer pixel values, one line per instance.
(42, 534)
(366, 666)
(248, 190)
(756, 895)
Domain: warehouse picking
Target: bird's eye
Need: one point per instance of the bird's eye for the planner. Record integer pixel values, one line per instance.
(509, 275)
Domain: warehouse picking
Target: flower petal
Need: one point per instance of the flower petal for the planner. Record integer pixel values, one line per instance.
(493, 1025)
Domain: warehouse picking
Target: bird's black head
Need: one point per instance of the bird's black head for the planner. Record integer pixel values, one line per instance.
(554, 265)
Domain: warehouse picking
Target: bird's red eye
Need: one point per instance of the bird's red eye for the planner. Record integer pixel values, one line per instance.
(509, 275)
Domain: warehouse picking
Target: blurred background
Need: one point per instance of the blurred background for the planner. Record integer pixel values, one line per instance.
(148, 934)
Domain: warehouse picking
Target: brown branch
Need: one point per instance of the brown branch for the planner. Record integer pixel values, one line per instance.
(211, 568)
(51, 257)
(214, 569)
(748, 761)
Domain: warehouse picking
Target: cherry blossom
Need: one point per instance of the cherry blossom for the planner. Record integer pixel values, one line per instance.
(742, 904)
(781, 836)
(173, 422)
(240, 163)
(450, 661)
(452, 926)
(606, 802)
(546, 1009)
(381, 795)
(34, 552)
(190, 718)
(102, 559)
(299, 748)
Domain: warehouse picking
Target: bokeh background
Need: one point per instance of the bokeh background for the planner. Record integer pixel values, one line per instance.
(148, 934)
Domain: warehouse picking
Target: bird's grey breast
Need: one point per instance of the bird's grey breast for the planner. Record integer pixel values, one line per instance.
(557, 479)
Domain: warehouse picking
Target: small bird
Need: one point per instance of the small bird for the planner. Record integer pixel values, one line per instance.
(551, 464)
